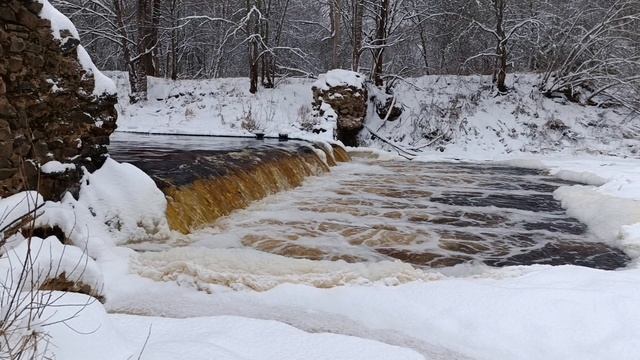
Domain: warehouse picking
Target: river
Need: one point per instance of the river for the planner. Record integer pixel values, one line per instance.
(427, 214)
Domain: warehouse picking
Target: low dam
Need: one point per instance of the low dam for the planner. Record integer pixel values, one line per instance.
(284, 198)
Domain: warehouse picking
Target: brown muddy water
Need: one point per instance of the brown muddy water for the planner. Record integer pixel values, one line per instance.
(283, 199)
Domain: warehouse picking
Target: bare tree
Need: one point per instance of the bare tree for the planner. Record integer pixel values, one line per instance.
(600, 59)
(266, 39)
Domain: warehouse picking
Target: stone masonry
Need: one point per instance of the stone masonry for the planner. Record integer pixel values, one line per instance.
(47, 108)
(349, 101)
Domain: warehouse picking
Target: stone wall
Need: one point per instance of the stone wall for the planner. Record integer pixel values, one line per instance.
(48, 110)
(342, 94)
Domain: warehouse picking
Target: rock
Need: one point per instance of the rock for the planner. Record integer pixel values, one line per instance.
(7, 14)
(38, 125)
(6, 150)
(347, 99)
(6, 110)
(556, 125)
(7, 173)
(69, 45)
(27, 18)
(17, 45)
(61, 283)
(15, 64)
(5, 131)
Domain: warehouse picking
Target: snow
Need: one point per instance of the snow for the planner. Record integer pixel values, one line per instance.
(479, 124)
(111, 337)
(482, 125)
(60, 23)
(117, 204)
(339, 77)
(546, 313)
(213, 107)
(126, 200)
(17, 206)
(226, 337)
(103, 84)
(48, 259)
(53, 167)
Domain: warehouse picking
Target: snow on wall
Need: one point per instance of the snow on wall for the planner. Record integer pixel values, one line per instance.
(339, 77)
(59, 24)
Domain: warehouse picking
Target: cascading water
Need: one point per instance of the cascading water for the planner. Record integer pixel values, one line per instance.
(369, 220)
(202, 185)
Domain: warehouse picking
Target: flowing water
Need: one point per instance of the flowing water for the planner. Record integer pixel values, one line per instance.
(430, 215)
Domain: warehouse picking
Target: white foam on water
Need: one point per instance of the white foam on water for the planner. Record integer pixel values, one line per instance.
(240, 268)
(357, 213)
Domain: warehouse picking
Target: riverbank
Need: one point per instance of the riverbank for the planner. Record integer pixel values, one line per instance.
(454, 116)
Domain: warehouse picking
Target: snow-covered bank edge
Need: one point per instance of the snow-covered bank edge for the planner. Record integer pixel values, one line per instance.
(608, 202)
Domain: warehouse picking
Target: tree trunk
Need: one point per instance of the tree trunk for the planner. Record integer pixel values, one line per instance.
(145, 36)
(423, 44)
(380, 43)
(358, 18)
(174, 41)
(252, 31)
(500, 73)
(152, 63)
(336, 34)
(134, 81)
(267, 58)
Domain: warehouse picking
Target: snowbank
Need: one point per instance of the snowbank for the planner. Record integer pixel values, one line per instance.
(535, 312)
(214, 107)
(611, 205)
(538, 313)
(17, 206)
(48, 259)
(111, 337)
(117, 204)
(605, 214)
(126, 200)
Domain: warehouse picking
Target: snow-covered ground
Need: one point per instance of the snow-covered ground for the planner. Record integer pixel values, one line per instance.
(456, 115)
